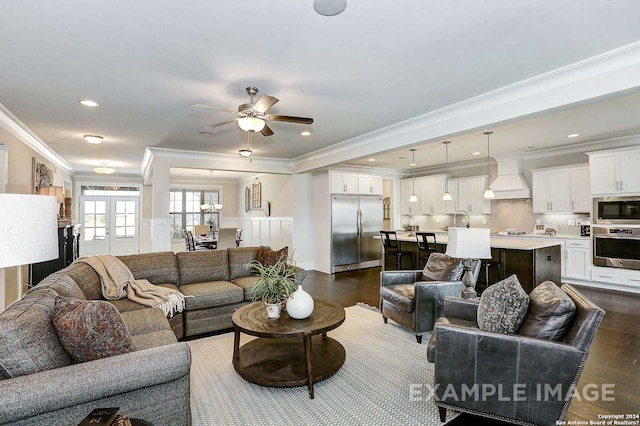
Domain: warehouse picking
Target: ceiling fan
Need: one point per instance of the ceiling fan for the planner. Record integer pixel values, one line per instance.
(251, 117)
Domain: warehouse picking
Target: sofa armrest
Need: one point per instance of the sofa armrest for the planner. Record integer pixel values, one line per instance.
(464, 309)
(30, 395)
(399, 277)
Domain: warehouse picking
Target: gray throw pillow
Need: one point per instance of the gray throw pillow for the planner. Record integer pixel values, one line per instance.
(503, 306)
(441, 267)
(550, 312)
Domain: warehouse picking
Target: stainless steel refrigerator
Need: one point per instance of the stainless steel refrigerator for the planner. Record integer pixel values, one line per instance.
(355, 219)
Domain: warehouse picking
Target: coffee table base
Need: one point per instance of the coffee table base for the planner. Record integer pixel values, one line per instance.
(282, 362)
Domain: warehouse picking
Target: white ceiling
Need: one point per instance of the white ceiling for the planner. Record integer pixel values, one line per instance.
(377, 64)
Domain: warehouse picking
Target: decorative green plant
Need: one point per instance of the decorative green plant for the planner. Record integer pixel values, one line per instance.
(276, 282)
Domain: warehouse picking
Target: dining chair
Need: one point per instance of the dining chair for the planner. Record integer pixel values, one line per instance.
(427, 244)
(393, 247)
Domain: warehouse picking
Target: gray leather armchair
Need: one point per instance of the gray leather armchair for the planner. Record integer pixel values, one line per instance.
(415, 298)
(533, 378)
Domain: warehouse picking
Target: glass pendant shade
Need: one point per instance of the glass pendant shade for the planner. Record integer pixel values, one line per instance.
(447, 196)
(251, 124)
(488, 194)
(413, 198)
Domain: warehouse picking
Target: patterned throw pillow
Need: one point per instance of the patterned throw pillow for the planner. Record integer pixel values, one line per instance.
(90, 329)
(441, 267)
(503, 306)
(550, 312)
(268, 257)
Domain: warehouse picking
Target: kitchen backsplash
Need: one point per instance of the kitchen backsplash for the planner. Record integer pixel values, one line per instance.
(505, 214)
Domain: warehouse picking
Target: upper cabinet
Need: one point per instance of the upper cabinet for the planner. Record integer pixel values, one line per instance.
(368, 184)
(468, 195)
(561, 190)
(431, 195)
(344, 183)
(615, 172)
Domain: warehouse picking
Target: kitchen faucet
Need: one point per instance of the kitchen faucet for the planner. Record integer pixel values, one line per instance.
(455, 218)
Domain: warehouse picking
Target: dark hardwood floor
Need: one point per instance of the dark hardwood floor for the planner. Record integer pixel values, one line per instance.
(614, 357)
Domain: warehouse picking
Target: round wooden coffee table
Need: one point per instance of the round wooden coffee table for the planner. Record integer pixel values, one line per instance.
(288, 352)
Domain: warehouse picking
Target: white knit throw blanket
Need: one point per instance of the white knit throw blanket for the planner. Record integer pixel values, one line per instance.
(118, 282)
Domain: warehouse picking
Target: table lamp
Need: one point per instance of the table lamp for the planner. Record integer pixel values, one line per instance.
(28, 231)
(469, 244)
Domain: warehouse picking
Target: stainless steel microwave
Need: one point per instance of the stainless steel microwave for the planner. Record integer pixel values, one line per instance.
(616, 210)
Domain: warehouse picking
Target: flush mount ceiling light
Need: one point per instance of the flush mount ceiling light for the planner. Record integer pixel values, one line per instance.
(245, 152)
(488, 193)
(447, 195)
(413, 198)
(329, 7)
(104, 170)
(251, 124)
(94, 139)
(89, 103)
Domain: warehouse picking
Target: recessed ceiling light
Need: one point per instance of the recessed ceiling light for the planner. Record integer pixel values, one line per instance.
(402, 158)
(573, 135)
(305, 133)
(206, 134)
(372, 159)
(89, 103)
(475, 153)
(94, 139)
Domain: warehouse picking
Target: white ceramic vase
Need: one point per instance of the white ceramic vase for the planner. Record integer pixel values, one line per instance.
(300, 304)
(273, 310)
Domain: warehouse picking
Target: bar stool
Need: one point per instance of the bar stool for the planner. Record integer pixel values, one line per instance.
(392, 247)
(488, 263)
(426, 245)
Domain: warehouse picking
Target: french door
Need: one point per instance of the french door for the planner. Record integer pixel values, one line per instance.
(110, 225)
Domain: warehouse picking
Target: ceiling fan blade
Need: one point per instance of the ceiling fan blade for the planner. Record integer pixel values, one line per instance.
(212, 107)
(266, 131)
(222, 123)
(299, 120)
(264, 103)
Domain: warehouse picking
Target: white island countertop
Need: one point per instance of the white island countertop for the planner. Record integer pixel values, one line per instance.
(497, 241)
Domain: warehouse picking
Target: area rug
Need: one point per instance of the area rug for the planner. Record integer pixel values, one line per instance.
(385, 380)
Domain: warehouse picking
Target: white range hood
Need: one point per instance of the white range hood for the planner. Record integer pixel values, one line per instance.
(510, 182)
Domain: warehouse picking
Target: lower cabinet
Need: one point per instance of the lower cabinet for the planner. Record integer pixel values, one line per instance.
(577, 259)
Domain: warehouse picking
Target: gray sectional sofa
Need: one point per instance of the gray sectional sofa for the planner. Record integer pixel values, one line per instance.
(40, 384)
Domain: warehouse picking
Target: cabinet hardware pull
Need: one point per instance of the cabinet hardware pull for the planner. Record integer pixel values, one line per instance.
(605, 276)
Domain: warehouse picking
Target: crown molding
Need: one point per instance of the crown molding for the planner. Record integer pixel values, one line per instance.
(18, 129)
(598, 76)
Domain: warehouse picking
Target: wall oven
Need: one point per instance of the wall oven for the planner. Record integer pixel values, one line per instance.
(616, 246)
(624, 210)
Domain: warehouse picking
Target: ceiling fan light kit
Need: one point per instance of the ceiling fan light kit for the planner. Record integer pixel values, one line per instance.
(251, 124)
(329, 7)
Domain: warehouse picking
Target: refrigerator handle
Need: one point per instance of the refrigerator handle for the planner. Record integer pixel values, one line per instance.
(359, 223)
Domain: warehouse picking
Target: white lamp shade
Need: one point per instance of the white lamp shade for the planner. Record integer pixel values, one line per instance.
(469, 243)
(252, 124)
(29, 230)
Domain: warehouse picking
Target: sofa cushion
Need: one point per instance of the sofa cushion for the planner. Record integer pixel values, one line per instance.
(63, 285)
(28, 341)
(201, 266)
(247, 284)
(90, 329)
(86, 278)
(211, 294)
(400, 295)
(157, 268)
(441, 267)
(239, 259)
(148, 328)
(549, 314)
(503, 306)
(268, 257)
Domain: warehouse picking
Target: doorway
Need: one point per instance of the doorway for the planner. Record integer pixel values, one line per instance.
(110, 225)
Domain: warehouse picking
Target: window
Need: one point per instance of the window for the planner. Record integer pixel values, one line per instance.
(185, 212)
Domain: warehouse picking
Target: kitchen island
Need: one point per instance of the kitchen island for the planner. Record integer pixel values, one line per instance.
(533, 261)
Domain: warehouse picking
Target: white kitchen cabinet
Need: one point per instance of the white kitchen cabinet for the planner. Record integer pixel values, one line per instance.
(344, 183)
(577, 259)
(551, 190)
(624, 279)
(369, 185)
(432, 190)
(580, 190)
(470, 195)
(406, 189)
(614, 172)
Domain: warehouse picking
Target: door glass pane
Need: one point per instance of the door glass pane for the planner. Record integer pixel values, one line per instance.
(125, 219)
(94, 224)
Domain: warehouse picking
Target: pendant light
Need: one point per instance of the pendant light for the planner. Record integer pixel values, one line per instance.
(413, 198)
(447, 195)
(488, 193)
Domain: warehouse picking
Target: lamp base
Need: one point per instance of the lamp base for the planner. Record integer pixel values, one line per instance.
(469, 291)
